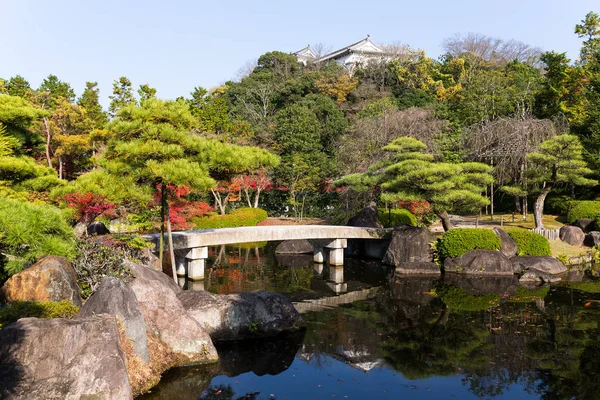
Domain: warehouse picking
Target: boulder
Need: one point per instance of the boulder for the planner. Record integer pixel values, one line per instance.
(409, 244)
(52, 278)
(418, 268)
(586, 224)
(97, 229)
(167, 320)
(300, 246)
(547, 264)
(508, 246)
(366, 218)
(480, 262)
(63, 359)
(535, 276)
(151, 260)
(244, 315)
(592, 239)
(114, 297)
(571, 235)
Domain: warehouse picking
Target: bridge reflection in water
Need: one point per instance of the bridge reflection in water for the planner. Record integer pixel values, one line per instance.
(311, 286)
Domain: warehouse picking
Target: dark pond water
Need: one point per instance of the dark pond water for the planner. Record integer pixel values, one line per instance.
(380, 338)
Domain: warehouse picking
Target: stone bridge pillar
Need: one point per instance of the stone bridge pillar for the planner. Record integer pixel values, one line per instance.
(191, 262)
(334, 248)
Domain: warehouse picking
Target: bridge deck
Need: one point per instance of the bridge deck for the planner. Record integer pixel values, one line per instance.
(211, 237)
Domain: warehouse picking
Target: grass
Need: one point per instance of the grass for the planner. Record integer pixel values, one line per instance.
(559, 247)
(550, 221)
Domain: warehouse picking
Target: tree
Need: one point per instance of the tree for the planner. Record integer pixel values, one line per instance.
(411, 174)
(589, 29)
(89, 100)
(559, 160)
(17, 86)
(122, 95)
(146, 92)
(57, 89)
(17, 115)
(153, 143)
(256, 182)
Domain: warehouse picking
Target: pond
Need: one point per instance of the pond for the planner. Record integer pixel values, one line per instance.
(380, 337)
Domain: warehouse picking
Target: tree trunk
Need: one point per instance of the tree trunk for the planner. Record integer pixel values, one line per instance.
(256, 197)
(171, 249)
(445, 218)
(161, 250)
(517, 204)
(60, 167)
(538, 207)
(47, 129)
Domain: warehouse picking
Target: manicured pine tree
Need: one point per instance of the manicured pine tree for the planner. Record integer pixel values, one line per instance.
(154, 144)
(411, 174)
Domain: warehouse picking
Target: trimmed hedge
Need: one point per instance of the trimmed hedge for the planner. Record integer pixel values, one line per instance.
(395, 217)
(583, 209)
(529, 243)
(46, 309)
(239, 217)
(558, 205)
(459, 241)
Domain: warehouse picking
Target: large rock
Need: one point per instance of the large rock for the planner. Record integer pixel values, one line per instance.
(300, 246)
(409, 244)
(97, 229)
(418, 268)
(50, 279)
(167, 320)
(63, 359)
(238, 316)
(366, 218)
(592, 239)
(508, 246)
(547, 264)
(114, 297)
(480, 262)
(586, 224)
(571, 235)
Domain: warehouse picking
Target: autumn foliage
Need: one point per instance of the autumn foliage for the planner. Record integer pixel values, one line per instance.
(89, 206)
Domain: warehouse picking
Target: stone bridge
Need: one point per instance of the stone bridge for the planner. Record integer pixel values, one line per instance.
(191, 247)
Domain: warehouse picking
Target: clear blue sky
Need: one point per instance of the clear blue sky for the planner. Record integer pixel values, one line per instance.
(175, 45)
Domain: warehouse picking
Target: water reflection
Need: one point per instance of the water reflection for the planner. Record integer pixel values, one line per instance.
(410, 338)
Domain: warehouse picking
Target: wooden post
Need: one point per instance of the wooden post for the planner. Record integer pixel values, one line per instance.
(502, 220)
(477, 222)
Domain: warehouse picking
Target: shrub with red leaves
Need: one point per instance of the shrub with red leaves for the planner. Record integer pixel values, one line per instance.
(181, 210)
(89, 206)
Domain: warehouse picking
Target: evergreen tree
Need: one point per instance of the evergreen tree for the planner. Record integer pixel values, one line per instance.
(90, 101)
(17, 86)
(122, 95)
(146, 92)
(57, 88)
(559, 160)
(411, 174)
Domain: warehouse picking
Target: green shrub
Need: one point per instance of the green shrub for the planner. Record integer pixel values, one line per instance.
(29, 231)
(395, 217)
(47, 309)
(102, 256)
(239, 217)
(558, 205)
(459, 241)
(529, 243)
(583, 209)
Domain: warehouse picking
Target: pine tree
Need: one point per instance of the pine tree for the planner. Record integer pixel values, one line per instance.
(411, 174)
(90, 101)
(122, 95)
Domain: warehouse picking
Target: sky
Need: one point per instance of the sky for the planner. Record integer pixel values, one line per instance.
(176, 45)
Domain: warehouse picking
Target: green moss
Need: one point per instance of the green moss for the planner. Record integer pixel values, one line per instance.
(47, 309)
(459, 241)
(587, 287)
(395, 217)
(238, 217)
(583, 209)
(524, 295)
(459, 300)
(529, 243)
